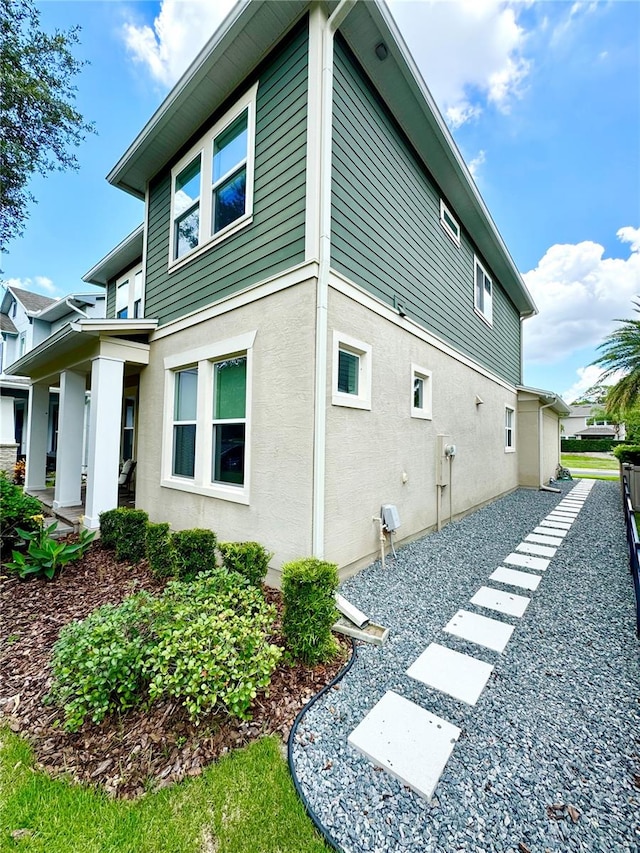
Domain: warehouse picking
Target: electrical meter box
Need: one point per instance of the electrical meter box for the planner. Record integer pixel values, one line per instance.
(443, 464)
(390, 517)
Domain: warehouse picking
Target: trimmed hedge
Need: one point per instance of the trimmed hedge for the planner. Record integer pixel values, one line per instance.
(588, 445)
(125, 530)
(160, 550)
(308, 589)
(195, 551)
(249, 559)
(628, 453)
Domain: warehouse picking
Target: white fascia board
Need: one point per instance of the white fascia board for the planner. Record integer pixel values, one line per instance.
(117, 259)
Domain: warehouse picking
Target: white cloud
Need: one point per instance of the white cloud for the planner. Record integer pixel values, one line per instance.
(470, 52)
(38, 284)
(479, 160)
(580, 295)
(587, 378)
(179, 32)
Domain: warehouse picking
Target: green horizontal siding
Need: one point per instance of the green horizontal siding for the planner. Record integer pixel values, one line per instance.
(386, 232)
(275, 239)
(110, 308)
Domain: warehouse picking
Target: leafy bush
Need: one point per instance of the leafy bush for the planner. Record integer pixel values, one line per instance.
(628, 453)
(109, 521)
(308, 589)
(160, 551)
(45, 555)
(17, 510)
(132, 534)
(97, 663)
(204, 644)
(210, 645)
(587, 445)
(195, 552)
(247, 558)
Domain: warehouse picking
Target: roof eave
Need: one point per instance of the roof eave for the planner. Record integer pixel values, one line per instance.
(117, 260)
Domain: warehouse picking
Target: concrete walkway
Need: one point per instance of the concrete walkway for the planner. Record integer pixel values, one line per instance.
(503, 713)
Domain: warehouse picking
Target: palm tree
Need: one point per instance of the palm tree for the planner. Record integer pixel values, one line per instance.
(621, 354)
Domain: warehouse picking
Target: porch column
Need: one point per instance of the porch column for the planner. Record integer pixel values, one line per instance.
(105, 417)
(69, 455)
(37, 430)
(8, 446)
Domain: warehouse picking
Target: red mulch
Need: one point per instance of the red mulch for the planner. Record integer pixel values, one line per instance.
(140, 750)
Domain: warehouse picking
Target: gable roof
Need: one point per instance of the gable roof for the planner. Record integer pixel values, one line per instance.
(31, 302)
(7, 325)
(250, 31)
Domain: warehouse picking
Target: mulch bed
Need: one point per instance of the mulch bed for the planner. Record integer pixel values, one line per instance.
(141, 750)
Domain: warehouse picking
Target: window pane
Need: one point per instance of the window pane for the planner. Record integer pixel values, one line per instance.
(418, 392)
(229, 201)
(137, 308)
(137, 285)
(129, 408)
(228, 453)
(127, 444)
(348, 368)
(186, 395)
(187, 233)
(184, 450)
(187, 188)
(122, 315)
(230, 148)
(230, 388)
(479, 288)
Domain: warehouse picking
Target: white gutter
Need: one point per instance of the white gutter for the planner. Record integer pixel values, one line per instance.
(322, 293)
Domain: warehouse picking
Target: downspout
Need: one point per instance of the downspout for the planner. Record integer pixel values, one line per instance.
(329, 30)
(541, 444)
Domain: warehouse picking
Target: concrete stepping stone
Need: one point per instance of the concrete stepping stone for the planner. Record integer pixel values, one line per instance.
(504, 602)
(481, 630)
(568, 512)
(542, 539)
(549, 531)
(461, 676)
(550, 521)
(527, 562)
(410, 743)
(535, 548)
(515, 578)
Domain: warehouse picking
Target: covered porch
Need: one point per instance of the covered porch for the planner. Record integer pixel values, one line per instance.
(96, 365)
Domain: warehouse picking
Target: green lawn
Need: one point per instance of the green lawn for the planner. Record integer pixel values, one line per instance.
(583, 460)
(246, 803)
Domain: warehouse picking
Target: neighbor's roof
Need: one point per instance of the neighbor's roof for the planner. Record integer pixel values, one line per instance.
(250, 31)
(7, 325)
(597, 430)
(31, 302)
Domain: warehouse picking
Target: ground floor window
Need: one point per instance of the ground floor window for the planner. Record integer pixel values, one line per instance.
(351, 385)
(421, 395)
(509, 435)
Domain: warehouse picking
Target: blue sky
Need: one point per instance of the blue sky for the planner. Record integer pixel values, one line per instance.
(543, 100)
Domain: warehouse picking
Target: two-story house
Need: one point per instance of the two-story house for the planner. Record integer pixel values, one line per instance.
(26, 320)
(318, 315)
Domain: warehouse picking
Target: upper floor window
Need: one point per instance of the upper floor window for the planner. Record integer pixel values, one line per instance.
(483, 292)
(129, 294)
(212, 185)
(449, 223)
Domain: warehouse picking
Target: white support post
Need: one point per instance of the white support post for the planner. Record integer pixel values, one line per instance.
(37, 429)
(69, 455)
(105, 425)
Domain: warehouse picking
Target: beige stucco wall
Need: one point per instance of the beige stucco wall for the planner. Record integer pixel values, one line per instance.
(279, 514)
(527, 440)
(550, 444)
(370, 452)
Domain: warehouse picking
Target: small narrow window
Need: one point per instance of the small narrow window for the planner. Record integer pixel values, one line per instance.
(449, 223)
(483, 292)
(137, 295)
(229, 420)
(122, 299)
(230, 173)
(351, 372)
(186, 209)
(184, 422)
(421, 395)
(509, 437)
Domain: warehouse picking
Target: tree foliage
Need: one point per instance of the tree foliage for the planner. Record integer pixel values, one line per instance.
(38, 122)
(621, 354)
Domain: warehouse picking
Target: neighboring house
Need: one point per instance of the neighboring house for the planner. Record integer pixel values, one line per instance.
(26, 320)
(318, 315)
(580, 423)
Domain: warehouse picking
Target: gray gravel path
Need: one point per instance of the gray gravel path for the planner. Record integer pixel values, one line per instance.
(558, 722)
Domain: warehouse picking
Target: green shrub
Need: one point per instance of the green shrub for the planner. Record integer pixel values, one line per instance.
(587, 445)
(132, 534)
(211, 646)
(195, 552)
(109, 527)
(17, 509)
(160, 550)
(249, 559)
(628, 453)
(97, 663)
(308, 588)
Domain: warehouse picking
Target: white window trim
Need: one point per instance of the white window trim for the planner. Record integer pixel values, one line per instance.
(486, 316)
(510, 448)
(426, 412)
(204, 148)
(453, 235)
(362, 400)
(130, 277)
(204, 358)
